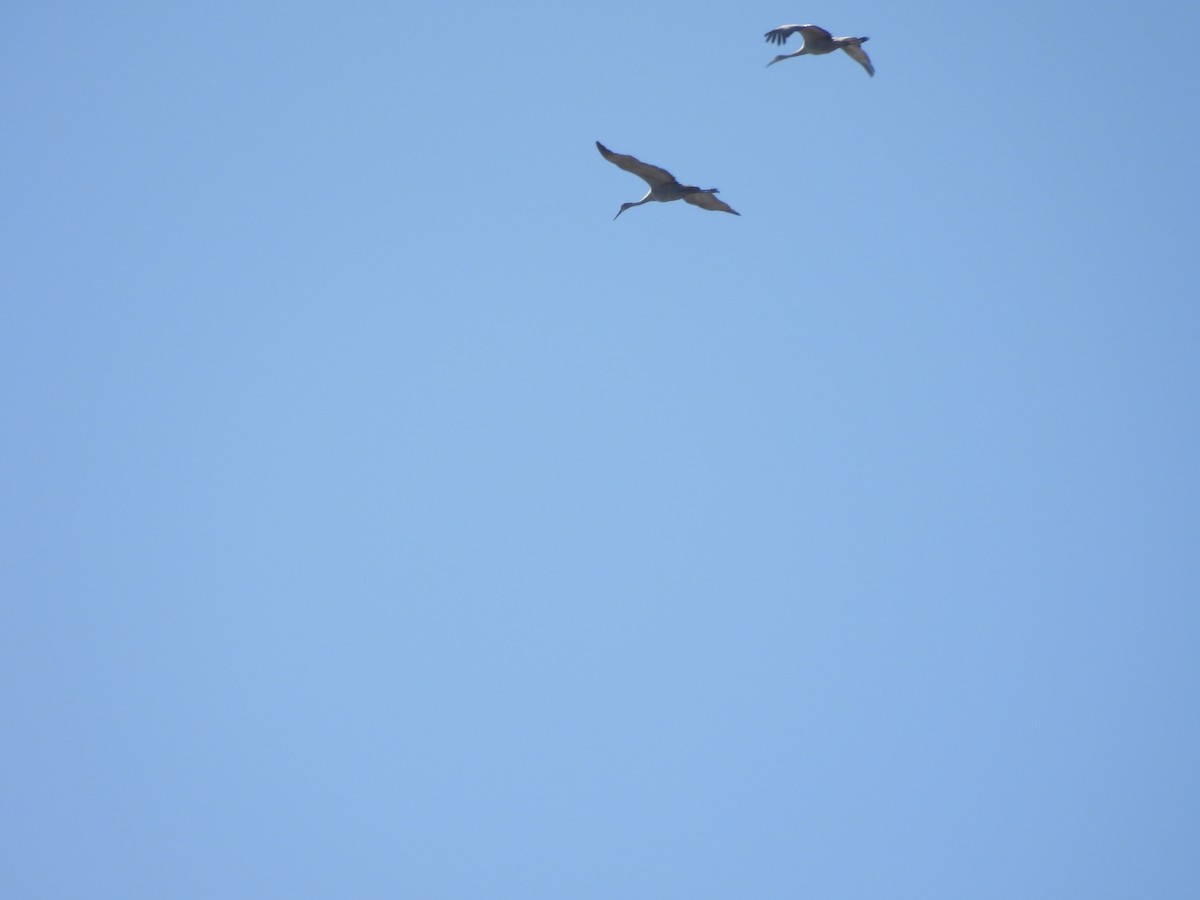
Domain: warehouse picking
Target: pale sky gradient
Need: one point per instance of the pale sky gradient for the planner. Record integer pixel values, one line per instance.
(381, 519)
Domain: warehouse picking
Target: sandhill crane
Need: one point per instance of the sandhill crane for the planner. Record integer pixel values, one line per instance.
(818, 41)
(663, 186)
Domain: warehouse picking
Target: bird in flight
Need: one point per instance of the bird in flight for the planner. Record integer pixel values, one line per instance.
(663, 186)
(818, 41)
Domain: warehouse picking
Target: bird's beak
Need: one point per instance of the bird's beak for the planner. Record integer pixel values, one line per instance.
(619, 211)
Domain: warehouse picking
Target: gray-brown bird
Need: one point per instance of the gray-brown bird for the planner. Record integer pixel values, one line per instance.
(663, 186)
(818, 41)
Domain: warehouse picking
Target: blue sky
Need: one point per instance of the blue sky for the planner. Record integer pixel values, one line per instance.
(381, 519)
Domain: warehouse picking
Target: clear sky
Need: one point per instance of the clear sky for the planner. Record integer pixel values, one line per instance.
(378, 518)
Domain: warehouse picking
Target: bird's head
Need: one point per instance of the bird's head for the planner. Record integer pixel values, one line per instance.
(777, 59)
(624, 206)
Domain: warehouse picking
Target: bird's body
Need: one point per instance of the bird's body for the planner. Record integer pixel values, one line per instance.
(663, 186)
(818, 41)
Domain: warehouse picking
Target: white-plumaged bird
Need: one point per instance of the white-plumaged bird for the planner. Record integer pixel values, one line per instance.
(663, 186)
(818, 41)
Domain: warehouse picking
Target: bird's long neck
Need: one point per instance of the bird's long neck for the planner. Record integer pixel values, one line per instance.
(631, 205)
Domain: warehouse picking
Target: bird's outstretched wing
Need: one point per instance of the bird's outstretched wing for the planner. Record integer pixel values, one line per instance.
(859, 55)
(652, 175)
(781, 34)
(710, 201)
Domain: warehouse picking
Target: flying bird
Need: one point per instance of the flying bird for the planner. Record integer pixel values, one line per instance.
(663, 186)
(818, 41)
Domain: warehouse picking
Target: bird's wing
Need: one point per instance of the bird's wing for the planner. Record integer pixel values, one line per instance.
(710, 201)
(859, 55)
(652, 175)
(780, 34)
